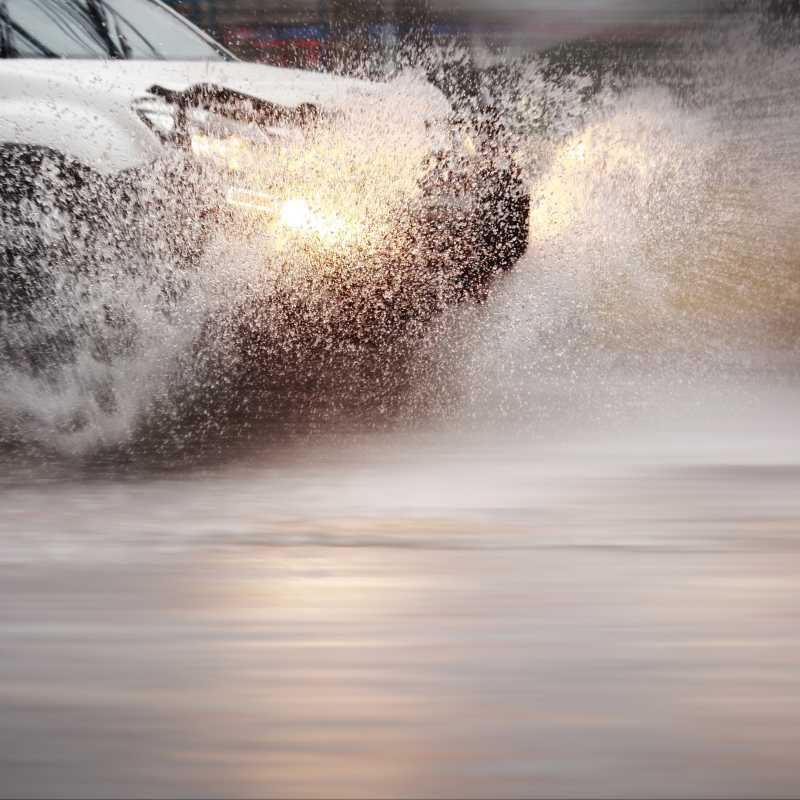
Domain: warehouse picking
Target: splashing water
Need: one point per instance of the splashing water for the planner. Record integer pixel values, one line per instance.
(663, 238)
(141, 335)
(663, 227)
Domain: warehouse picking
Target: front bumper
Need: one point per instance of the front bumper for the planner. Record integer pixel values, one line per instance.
(329, 273)
(461, 229)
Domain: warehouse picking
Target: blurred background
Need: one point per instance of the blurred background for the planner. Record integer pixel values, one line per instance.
(337, 34)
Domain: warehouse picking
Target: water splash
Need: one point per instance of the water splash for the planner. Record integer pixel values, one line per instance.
(663, 227)
(664, 242)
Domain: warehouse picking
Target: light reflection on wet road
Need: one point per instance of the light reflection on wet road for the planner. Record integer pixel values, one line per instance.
(424, 615)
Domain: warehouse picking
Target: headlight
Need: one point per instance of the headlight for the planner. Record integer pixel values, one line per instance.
(230, 143)
(157, 115)
(294, 216)
(298, 216)
(249, 149)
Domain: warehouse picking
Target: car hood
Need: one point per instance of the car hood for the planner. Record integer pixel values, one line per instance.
(72, 105)
(125, 80)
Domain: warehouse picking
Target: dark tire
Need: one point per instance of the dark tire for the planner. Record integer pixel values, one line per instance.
(502, 231)
(507, 222)
(63, 230)
(47, 204)
(49, 222)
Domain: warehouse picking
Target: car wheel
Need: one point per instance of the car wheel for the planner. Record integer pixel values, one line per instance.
(500, 232)
(46, 218)
(48, 227)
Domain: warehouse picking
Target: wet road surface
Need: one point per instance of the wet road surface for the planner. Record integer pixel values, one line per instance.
(494, 614)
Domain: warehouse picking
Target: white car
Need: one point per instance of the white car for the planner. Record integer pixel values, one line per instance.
(103, 100)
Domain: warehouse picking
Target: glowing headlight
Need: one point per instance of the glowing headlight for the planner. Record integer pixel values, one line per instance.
(298, 216)
(227, 141)
(294, 215)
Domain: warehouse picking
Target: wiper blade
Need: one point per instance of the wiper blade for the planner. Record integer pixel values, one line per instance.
(99, 15)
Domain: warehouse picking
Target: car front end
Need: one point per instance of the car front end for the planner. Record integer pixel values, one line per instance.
(354, 203)
(382, 218)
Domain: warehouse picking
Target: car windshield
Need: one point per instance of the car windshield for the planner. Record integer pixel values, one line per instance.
(143, 29)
